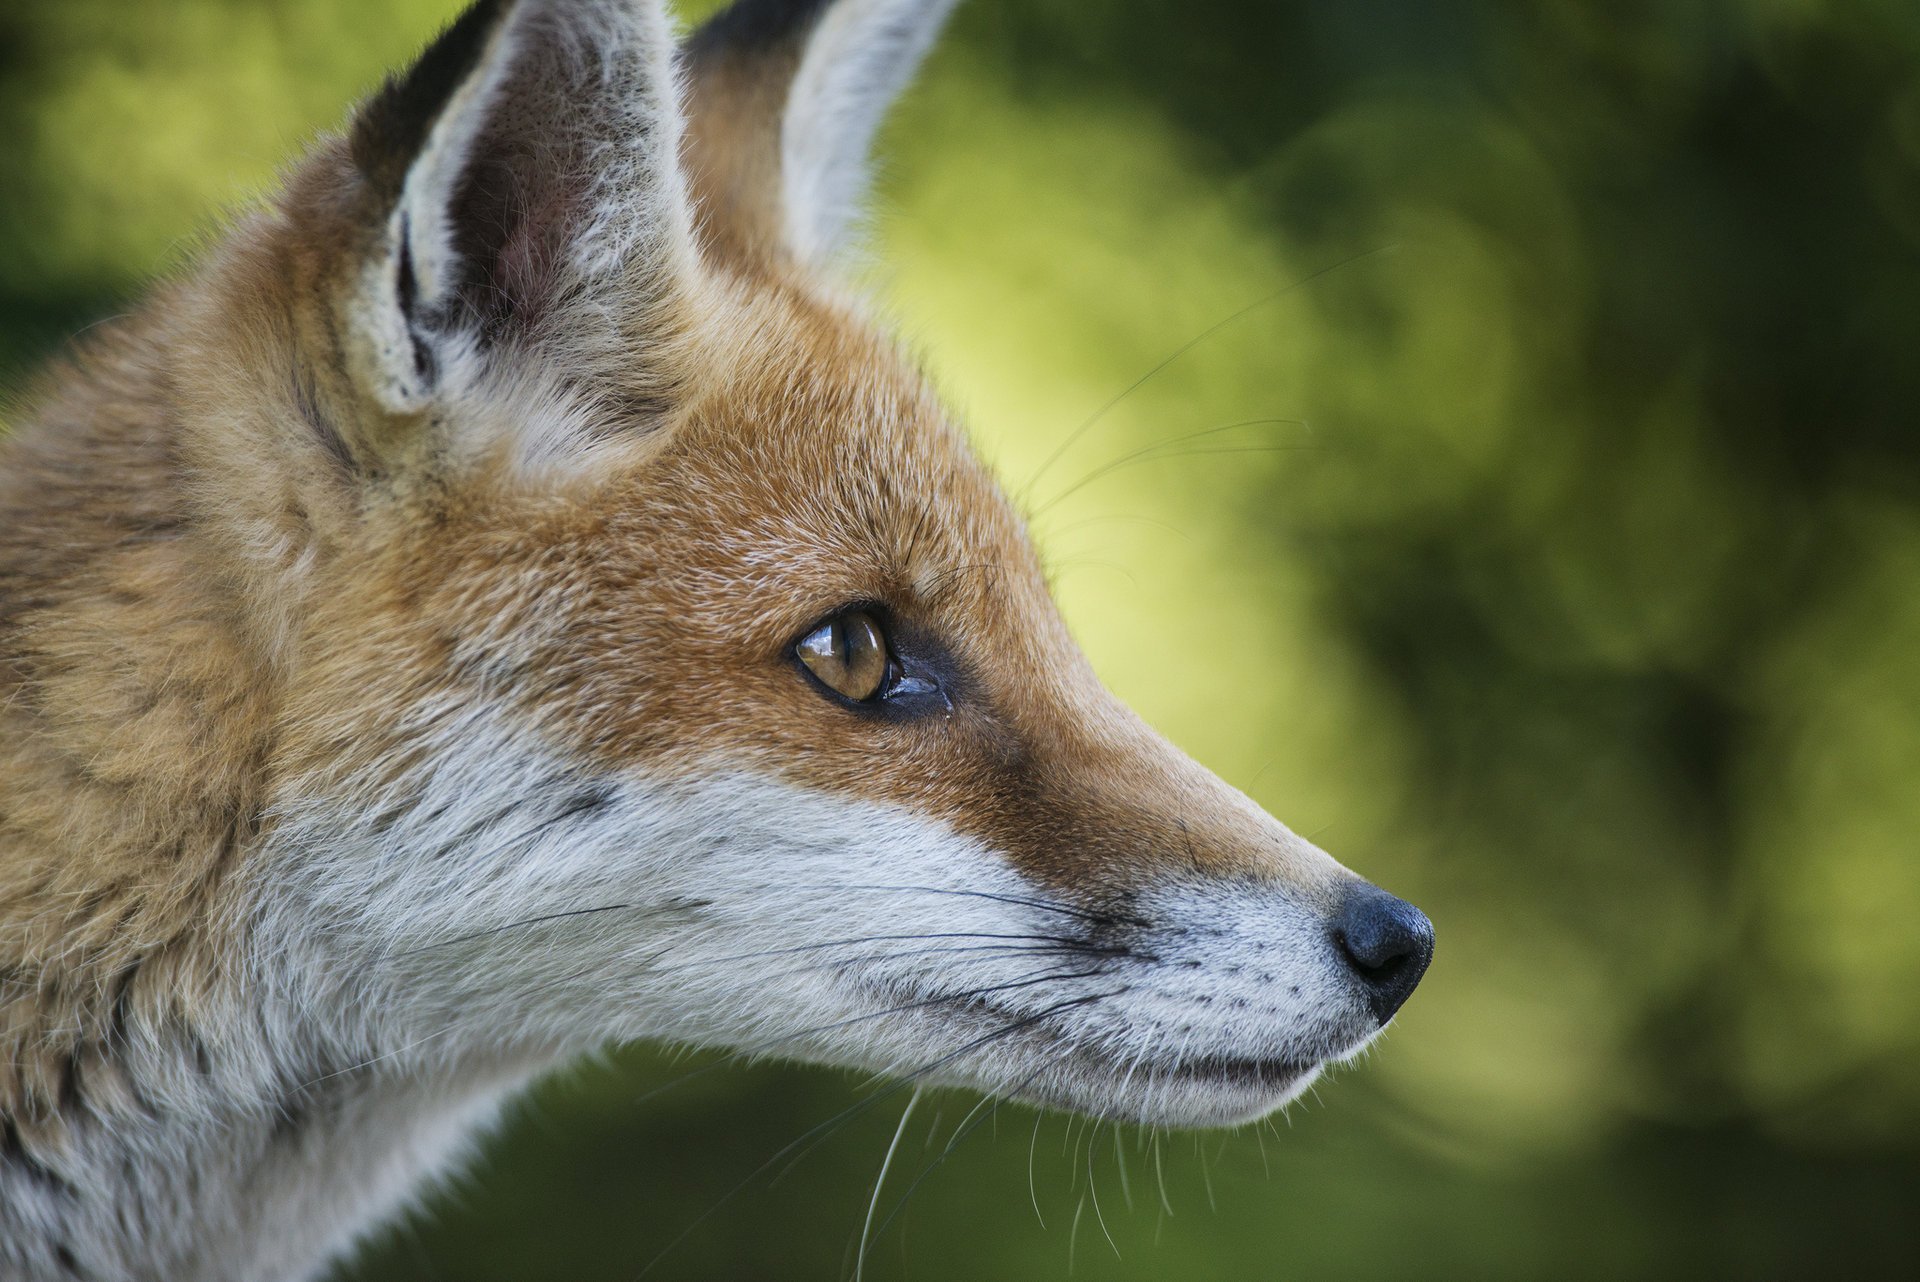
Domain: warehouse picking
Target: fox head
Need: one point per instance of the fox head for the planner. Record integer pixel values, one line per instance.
(656, 659)
(512, 598)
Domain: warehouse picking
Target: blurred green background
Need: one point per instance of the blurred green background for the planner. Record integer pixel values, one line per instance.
(1562, 574)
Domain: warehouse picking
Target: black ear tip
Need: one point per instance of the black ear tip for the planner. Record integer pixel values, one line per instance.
(393, 126)
(754, 26)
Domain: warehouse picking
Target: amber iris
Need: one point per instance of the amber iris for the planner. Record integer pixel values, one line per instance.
(849, 655)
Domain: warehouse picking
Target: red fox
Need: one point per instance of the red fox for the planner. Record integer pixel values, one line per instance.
(511, 598)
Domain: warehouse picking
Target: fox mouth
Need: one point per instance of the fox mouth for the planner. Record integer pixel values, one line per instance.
(1277, 1074)
(1085, 1076)
(1207, 1091)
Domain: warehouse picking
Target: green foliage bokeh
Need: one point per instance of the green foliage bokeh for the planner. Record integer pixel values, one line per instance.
(1540, 532)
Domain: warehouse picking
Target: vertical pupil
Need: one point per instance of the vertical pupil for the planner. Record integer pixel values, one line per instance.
(849, 653)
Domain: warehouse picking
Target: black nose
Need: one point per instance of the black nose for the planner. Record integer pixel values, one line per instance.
(1388, 942)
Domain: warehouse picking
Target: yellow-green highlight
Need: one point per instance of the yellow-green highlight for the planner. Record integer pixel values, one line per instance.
(1544, 540)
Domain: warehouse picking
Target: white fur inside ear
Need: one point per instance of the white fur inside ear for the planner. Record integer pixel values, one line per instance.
(580, 99)
(422, 221)
(858, 60)
(379, 343)
(418, 241)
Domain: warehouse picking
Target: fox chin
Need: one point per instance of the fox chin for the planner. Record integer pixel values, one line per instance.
(511, 597)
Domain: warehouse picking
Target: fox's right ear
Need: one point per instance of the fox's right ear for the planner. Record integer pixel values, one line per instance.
(518, 191)
(786, 96)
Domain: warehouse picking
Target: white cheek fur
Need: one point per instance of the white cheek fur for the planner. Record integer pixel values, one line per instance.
(506, 899)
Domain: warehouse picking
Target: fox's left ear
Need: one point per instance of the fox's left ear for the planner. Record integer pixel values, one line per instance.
(784, 99)
(517, 200)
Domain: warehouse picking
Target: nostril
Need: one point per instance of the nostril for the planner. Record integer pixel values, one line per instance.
(1387, 942)
(1372, 962)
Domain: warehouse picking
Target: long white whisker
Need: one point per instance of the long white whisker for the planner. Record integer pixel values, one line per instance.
(873, 1203)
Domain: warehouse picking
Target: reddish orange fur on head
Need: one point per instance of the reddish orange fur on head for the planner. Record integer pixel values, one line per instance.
(808, 469)
(397, 661)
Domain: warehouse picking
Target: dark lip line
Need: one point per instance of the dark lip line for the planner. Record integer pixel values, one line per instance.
(1214, 1069)
(1243, 1072)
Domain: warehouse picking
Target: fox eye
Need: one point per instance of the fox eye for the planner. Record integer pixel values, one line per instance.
(849, 654)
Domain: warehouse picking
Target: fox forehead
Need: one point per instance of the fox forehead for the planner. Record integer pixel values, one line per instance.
(821, 448)
(808, 467)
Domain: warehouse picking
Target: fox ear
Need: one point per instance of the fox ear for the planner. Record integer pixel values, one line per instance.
(785, 98)
(519, 188)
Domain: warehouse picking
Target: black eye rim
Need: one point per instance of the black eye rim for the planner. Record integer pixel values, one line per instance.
(917, 678)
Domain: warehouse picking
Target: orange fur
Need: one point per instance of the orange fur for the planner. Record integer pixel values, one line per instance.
(238, 578)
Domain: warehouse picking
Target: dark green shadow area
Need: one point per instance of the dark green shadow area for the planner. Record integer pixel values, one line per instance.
(1576, 598)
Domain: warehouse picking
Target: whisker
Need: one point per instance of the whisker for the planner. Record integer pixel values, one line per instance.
(1033, 1192)
(669, 907)
(1067, 948)
(941, 999)
(812, 1137)
(746, 1054)
(541, 920)
(1060, 941)
(968, 1125)
(1059, 569)
(546, 918)
(1093, 1190)
(1154, 453)
(1097, 918)
(1160, 1173)
(873, 1203)
(1206, 1174)
(1094, 418)
(941, 580)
